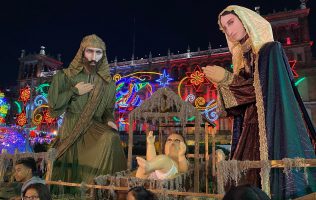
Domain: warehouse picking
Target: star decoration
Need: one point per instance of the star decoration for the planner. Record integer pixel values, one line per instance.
(197, 78)
(164, 79)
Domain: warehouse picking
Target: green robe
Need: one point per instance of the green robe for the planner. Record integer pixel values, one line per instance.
(97, 151)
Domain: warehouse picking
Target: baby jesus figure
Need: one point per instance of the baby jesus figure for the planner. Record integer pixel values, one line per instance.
(163, 166)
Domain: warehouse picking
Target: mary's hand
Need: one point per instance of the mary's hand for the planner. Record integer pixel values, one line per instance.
(214, 73)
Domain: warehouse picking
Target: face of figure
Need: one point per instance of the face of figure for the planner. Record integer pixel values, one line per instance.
(31, 194)
(172, 145)
(233, 27)
(22, 173)
(93, 55)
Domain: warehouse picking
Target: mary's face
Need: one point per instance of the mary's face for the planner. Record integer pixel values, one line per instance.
(233, 27)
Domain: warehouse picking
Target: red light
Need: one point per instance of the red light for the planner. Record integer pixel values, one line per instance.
(288, 41)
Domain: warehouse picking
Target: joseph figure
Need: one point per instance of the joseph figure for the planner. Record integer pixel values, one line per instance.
(88, 143)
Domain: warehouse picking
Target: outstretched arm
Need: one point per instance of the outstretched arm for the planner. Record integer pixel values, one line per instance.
(150, 150)
(233, 90)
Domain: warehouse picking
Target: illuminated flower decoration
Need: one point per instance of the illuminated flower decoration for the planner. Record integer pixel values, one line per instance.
(21, 119)
(25, 94)
(197, 78)
(48, 119)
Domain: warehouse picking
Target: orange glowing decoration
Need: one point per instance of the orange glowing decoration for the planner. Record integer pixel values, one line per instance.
(197, 78)
(48, 119)
(21, 119)
(25, 94)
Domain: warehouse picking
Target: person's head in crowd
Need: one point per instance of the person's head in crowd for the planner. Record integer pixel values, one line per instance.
(245, 192)
(24, 169)
(36, 191)
(140, 193)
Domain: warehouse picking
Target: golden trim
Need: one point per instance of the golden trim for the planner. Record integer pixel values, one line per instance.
(265, 179)
(227, 96)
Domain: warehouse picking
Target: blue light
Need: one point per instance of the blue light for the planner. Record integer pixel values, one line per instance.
(164, 79)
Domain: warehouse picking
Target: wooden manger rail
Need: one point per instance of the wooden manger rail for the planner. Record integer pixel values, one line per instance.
(291, 163)
(164, 192)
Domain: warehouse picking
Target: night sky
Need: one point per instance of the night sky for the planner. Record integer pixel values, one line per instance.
(158, 25)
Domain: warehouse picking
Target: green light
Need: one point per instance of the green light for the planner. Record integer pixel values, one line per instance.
(232, 66)
(189, 119)
(19, 107)
(40, 88)
(119, 86)
(299, 81)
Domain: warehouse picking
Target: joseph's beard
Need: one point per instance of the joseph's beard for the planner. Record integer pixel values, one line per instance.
(91, 66)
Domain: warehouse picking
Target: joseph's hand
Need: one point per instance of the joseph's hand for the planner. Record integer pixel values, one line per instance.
(112, 125)
(84, 88)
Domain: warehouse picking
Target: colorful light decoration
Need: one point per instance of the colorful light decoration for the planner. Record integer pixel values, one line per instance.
(131, 90)
(12, 138)
(292, 64)
(164, 79)
(48, 119)
(299, 81)
(210, 111)
(40, 89)
(18, 106)
(21, 119)
(25, 94)
(197, 78)
(4, 107)
(189, 119)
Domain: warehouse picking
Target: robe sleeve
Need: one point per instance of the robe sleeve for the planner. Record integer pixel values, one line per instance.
(108, 114)
(60, 94)
(234, 91)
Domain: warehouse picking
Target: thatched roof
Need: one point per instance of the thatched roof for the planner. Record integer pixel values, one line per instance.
(164, 103)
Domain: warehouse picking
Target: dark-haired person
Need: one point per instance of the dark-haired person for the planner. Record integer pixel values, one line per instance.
(36, 191)
(270, 120)
(140, 193)
(245, 192)
(25, 172)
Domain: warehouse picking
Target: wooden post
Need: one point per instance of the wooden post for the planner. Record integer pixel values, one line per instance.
(197, 157)
(160, 140)
(206, 131)
(130, 145)
(213, 157)
(49, 170)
